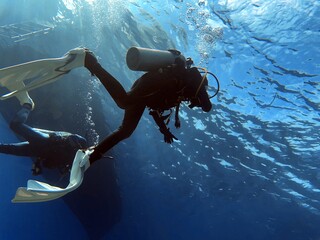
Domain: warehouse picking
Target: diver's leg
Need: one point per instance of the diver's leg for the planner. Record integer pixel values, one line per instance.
(129, 124)
(23, 114)
(29, 133)
(18, 149)
(111, 84)
(18, 126)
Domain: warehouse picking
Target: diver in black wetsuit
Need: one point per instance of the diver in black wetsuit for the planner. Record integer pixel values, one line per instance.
(51, 148)
(159, 90)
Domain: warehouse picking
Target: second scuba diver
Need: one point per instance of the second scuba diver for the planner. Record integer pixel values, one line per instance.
(52, 149)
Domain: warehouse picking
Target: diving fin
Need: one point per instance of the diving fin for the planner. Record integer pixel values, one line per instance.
(20, 79)
(22, 96)
(37, 191)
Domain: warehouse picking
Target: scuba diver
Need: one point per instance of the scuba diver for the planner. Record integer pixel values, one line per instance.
(52, 149)
(169, 80)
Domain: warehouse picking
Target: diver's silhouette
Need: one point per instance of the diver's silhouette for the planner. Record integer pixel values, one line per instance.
(158, 90)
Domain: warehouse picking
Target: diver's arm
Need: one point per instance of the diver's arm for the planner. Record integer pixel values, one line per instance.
(159, 121)
(17, 149)
(168, 136)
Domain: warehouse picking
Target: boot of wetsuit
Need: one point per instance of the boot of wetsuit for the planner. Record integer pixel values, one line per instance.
(91, 62)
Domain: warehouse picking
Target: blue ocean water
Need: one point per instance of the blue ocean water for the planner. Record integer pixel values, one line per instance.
(247, 170)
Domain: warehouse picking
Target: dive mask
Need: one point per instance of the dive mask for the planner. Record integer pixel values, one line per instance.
(201, 97)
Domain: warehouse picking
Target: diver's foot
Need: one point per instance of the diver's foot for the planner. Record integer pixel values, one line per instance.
(90, 61)
(24, 98)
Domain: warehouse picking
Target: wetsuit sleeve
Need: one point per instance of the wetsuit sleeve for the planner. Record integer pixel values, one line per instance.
(159, 121)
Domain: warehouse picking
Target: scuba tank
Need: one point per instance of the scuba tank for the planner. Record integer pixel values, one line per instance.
(146, 59)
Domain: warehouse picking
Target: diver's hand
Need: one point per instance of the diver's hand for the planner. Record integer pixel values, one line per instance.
(168, 136)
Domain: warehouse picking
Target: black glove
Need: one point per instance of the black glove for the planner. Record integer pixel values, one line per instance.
(168, 136)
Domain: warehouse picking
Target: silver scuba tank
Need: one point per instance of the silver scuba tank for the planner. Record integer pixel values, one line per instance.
(146, 59)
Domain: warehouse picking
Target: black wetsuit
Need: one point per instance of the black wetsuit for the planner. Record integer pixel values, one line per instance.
(54, 149)
(159, 90)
